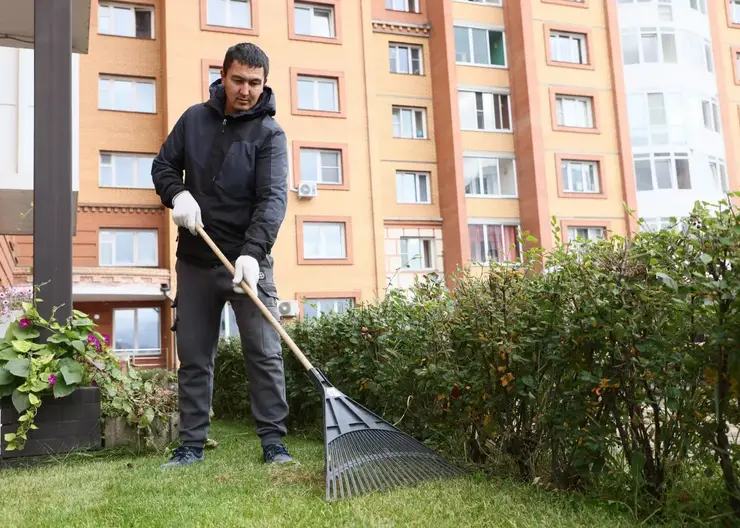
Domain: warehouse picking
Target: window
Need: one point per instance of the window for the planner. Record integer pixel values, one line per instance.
(213, 75)
(662, 171)
(229, 13)
(313, 308)
(665, 11)
(580, 176)
(124, 20)
(656, 118)
(318, 93)
(405, 58)
(137, 332)
(494, 242)
(585, 233)
(409, 123)
(568, 47)
(710, 114)
(477, 46)
(409, 6)
(719, 173)
(574, 111)
(708, 58)
(315, 20)
(323, 166)
(229, 326)
(126, 94)
(416, 253)
(735, 11)
(699, 5)
(126, 170)
(484, 111)
(412, 187)
(133, 248)
(324, 240)
(489, 176)
(649, 45)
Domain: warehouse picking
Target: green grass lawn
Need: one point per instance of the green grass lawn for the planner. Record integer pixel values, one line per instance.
(233, 488)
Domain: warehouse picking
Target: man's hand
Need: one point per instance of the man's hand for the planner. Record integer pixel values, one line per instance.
(186, 212)
(248, 269)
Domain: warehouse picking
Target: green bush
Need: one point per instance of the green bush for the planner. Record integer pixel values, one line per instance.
(610, 366)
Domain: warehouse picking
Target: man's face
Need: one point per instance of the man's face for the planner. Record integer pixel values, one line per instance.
(244, 85)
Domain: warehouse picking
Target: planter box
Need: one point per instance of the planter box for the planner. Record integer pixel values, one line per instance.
(66, 424)
(117, 433)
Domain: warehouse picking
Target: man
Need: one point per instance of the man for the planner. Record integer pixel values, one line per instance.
(234, 156)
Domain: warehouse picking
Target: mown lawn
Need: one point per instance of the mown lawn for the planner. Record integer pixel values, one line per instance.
(233, 488)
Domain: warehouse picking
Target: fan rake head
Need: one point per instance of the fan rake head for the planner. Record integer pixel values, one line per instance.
(365, 453)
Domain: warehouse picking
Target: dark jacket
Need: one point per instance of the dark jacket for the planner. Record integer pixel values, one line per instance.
(236, 168)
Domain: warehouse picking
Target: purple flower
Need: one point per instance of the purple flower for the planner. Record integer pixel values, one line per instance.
(106, 337)
(24, 323)
(94, 383)
(52, 379)
(94, 341)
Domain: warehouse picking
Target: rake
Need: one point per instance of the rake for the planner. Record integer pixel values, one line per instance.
(363, 452)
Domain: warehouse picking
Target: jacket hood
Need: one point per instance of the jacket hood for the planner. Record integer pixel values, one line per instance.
(266, 104)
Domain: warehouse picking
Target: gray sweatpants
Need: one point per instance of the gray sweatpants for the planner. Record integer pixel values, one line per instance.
(201, 295)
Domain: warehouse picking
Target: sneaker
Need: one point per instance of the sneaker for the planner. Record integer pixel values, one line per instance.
(276, 453)
(184, 456)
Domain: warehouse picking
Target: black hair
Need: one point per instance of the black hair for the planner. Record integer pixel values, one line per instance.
(249, 54)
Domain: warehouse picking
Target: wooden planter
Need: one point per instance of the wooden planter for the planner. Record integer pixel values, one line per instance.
(118, 433)
(66, 424)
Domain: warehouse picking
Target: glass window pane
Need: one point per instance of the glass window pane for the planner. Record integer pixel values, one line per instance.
(145, 97)
(462, 45)
(106, 175)
(240, 15)
(644, 176)
(322, 23)
(477, 243)
(143, 23)
(309, 166)
(305, 94)
(470, 171)
(489, 177)
(480, 46)
(403, 60)
(123, 329)
(144, 174)
(683, 178)
(124, 247)
(407, 123)
(106, 253)
(507, 177)
(148, 330)
(327, 99)
(663, 174)
(147, 242)
(423, 188)
(302, 20)
(468, 111)
(124, 170)
(123, 21)
(216, 13)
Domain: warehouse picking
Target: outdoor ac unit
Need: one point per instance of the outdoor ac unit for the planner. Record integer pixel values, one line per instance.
(288, 308)
(307, 190)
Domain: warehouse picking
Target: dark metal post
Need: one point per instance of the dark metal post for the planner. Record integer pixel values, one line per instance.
(52, 171)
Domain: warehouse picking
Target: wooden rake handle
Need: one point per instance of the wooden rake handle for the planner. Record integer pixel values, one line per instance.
(252, 295)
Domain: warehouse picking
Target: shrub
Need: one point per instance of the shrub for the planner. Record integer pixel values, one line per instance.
(611, 364)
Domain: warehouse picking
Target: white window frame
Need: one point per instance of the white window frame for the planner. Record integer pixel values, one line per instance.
(479, 175)
(107, 82)
(397, 48)
(407, 6)
(663, 35)
(417, 175)
(592, 233)
(672, 158)
(315, 82)
(140, 181)
(501, 223)
(104, 7)
(664, 122)
(567, 167)
(136, 351)
(211, 71)
(312, 8)
(699, 5)
(711, 115)
(106, 236)
(560, 111)
(718, 168)
(229, 21)
(321, 301)
(398, 111)
(319, 166)
(343, 235)
(580, 38)
(735, 11)
(496, 102)
(469, 28)
(409, 262)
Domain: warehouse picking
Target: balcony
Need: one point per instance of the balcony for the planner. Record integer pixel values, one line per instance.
(17, 138)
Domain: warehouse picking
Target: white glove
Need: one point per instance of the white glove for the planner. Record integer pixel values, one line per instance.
(248, 269)
(186, 211)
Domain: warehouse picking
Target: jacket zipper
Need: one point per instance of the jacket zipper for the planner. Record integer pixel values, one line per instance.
(223, 125)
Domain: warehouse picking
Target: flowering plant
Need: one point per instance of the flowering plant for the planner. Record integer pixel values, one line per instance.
(70, 355)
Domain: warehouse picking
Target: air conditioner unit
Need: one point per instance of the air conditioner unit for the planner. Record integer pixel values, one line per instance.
(307, 190)
(288, 308)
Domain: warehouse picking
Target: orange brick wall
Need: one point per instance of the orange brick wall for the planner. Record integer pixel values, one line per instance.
(89, 221)
(7, 261)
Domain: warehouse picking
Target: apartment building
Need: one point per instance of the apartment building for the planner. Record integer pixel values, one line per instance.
(424, 135)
